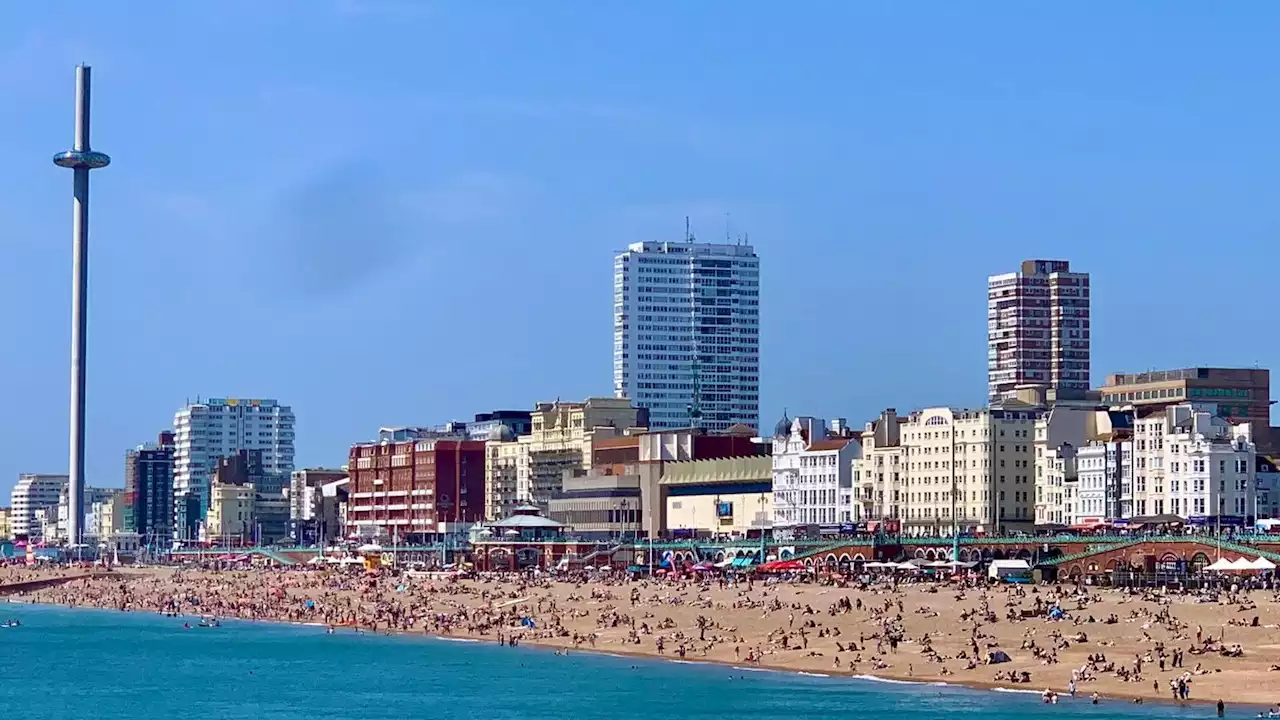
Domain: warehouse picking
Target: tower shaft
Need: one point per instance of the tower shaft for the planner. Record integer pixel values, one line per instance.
(80, 159)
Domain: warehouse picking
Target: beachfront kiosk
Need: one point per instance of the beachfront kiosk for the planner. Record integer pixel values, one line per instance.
(523, 540)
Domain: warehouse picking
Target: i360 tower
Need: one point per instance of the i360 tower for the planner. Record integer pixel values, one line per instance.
(81, 160)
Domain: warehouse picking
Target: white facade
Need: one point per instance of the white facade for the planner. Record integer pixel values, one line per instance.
(813, 478)
(1059, 434)
(205, 431)
(881, 470)
(1199, 466)
(1105, 471)
(34, 492)
(1182, 460)
(678, 306)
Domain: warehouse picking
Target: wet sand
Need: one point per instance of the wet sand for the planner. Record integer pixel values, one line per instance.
(915, 632)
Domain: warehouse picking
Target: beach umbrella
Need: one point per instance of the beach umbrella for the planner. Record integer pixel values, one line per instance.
(1262, 563)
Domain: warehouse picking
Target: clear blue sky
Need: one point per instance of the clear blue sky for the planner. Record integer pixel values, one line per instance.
(387, 212)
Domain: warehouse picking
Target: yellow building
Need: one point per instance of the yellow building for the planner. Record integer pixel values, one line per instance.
(726, 496)
(967, 470)
(230, 516)
(6, 528)
(530, 469)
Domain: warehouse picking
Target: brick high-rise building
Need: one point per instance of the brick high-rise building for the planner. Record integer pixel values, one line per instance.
(415, 489)
(1038, 330)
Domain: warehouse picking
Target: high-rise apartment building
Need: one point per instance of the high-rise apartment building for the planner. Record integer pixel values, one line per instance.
(221, 427)
(686, 333)
(148, 491)
(33, 493)
(1038, 330)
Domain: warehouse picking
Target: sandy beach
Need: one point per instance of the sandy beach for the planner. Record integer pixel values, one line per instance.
(1118, 644)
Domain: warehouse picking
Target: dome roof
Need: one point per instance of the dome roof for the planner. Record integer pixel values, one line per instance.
(783, 428)
(501, 433)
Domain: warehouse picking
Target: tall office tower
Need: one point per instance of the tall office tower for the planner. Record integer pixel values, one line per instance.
(148, 491)
(686, 333)
(215, 428)
(33, 493)
(1038, 331)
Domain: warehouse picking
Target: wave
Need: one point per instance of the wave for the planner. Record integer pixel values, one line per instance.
(457, 640)
(1017, 691)
(754, 669)
(809, 674)
(890, 681)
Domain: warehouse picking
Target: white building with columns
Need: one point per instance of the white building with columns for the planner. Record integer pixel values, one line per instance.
(813, 474)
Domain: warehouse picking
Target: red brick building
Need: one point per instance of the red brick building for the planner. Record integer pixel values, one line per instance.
(415, 490)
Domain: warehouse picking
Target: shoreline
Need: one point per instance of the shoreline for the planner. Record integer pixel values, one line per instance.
(831, 674)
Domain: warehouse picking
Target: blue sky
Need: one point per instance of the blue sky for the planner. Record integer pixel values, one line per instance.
(387, 212)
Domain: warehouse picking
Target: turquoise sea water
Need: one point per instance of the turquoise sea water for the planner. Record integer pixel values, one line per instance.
(90, 664)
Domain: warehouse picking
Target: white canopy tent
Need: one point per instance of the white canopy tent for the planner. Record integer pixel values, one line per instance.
(1261, 563)
(1241, 564)
(1220, 565)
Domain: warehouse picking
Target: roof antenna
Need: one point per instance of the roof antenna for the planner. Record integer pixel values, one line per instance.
(688, 233)
(728, 237)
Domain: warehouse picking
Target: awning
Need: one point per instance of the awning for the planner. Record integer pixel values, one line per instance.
(782, 566)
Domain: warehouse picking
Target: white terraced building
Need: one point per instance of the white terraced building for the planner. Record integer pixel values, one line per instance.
(685, 306)
(1182, 460)
(813, 475)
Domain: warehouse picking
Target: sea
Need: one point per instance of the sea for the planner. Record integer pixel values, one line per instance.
(63, 664)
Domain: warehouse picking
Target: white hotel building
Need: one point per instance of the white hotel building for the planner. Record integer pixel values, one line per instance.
(220, 427)
(1182, 460)
(813, 475)
(686, 322)
(33, 493)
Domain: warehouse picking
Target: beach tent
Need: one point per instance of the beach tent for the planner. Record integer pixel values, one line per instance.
(1262, 563)
(1241, 564)
(1220, 565)
(995, 657)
